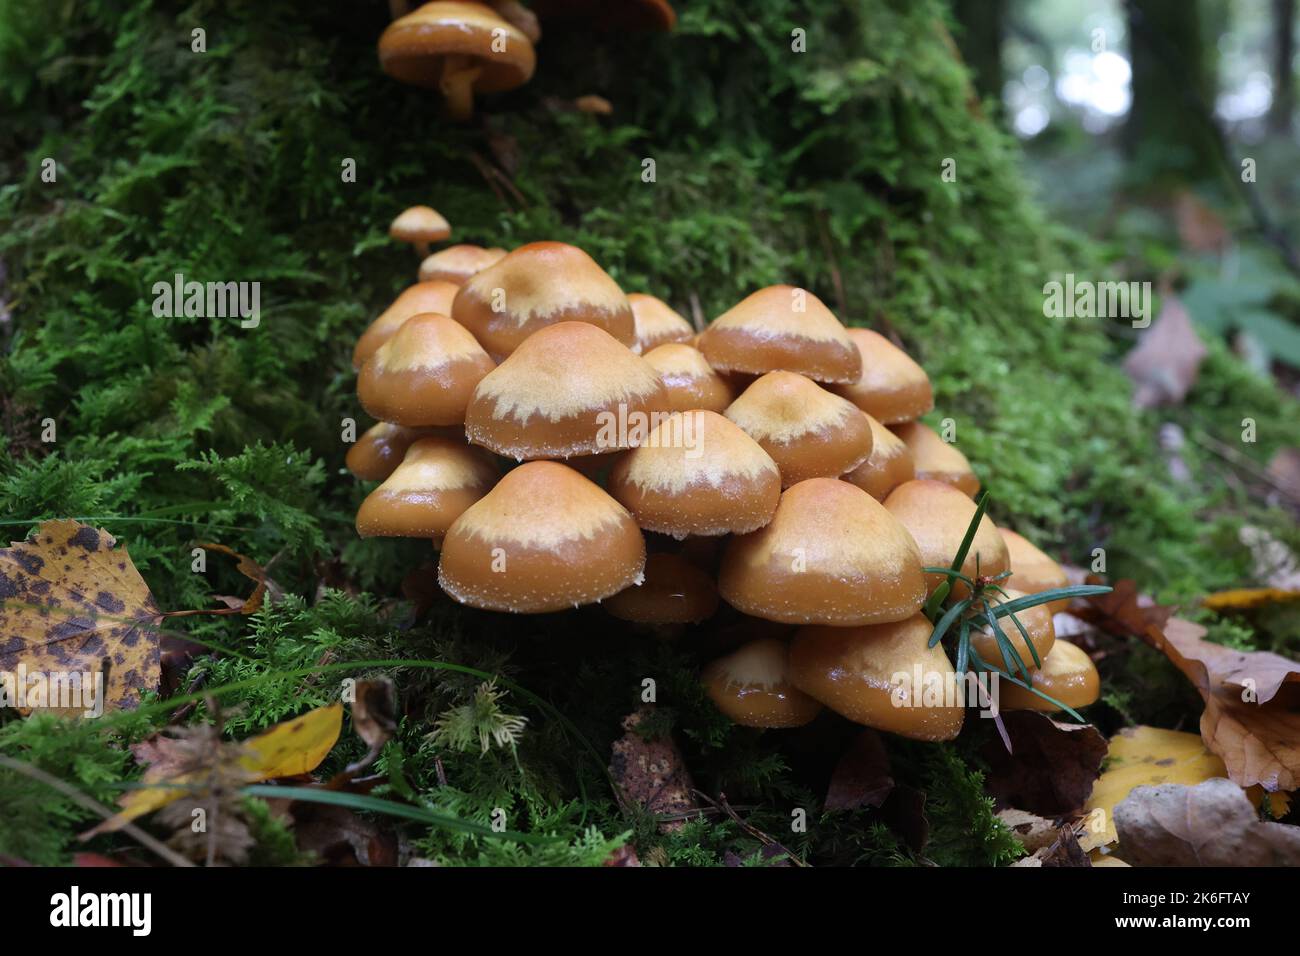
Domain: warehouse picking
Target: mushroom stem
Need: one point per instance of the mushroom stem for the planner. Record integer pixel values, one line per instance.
(457, 84)
(422, 248)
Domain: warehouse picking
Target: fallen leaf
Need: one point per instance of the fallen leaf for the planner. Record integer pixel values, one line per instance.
(1123, 612)
(1063, 851)
(1051, 767)
(1262, 672)
(339, 837)
(862, 777)
(651, 773)
(1244, 599)
(1030, 830)
(1168, 356)
(70, 602)
(249, 569)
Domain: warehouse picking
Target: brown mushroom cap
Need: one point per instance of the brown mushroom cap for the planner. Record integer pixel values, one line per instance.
(380, 449)
(544, 539)
(565, 392)
(892, 387)
(809, 432)
(751, 685)
(1037, 622)
(1032, 571)
(537, 285)
(674, 591)
(688, 379)
(937, 516)
(437, 480)
(936, 459)
(831, 555)
(424, 375)
(457, 264)
(767, 332)
(435, 296)
(420, 224)
(414, 48)
(1067, 675)
(883, 676)
(888, 467)
(656, 323)
(697, 474)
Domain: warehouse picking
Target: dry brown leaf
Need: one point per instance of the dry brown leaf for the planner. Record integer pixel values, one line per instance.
(862, 777)
(1030, 830)
(1167, 359)
(1123, 611)
(651, 773)
(1051, 767)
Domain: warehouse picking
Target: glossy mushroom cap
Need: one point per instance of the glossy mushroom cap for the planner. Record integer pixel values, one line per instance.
(1067, 675)
(674, 591)
(1037, 622)
(656, 323)
(415, 49)
(434, 296)
(424, 375)
(936, 459)
(892, 387)
(420, 225)
(888, 467)
(782, 327)
(752, 686)
(883, 676)
(458, 264)
(831, 555)
(937, 516)
(538, 285)
(688, 379)
(1032, 571)
(697, 474)
(377, 453)
(809, 432)
(437, 480)
(570, 389)
(544, 539)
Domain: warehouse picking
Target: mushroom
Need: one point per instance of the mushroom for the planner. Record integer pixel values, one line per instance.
(889, 465)
(892, 387)
(751, 685)
(435, 296)
(1037, 622)
(631, 16)
(884, 676)
(831, 555)
(420, 226)
(458, 48)
(782, 327)
(457, 264)
(424, 375)
(937, 516)
(656, 323)
(1032, 571)
(936, 459)
(570, 389)
(809, 432)
(437, 480)
(544, 539)
(688, 379)
(697, 474)
(375, 455)
(541, 284)
(674, 592)
(1067, 675)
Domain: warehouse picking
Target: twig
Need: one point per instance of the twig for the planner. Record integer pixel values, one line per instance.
(757, 834)
(836, 279)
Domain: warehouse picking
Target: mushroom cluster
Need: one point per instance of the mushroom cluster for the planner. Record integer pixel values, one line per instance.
(563, 443)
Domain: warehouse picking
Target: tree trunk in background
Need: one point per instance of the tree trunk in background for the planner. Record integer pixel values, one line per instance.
(1169, 135)
(980, 42)
(1279, 114)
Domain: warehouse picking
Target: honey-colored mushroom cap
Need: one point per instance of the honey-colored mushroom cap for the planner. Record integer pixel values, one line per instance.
(433, 296)
(937, 516)
(751, 685)
(380, 449)
(697, 474)
(569, 390)
(1037, 622)
(656, 323)
(782, 328)
(883, 676)
(1032, 571)
(689, 380)
(674, 591)
(831, 555)
(544, 539)
(889, 465)
(537, 285)
(420, 225)
(458, 264)
(892, 387)
(1068, 675)
(809, 432)
(936, 459)
(437, 480)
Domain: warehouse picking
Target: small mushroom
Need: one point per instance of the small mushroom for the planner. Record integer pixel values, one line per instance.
(674, 592)
(782, 327)
(809, 432)
(937, 516)
(437, 480)
(697, 474)
(424, 375)
(435, 296)
(544, 539)
(831, 555)
(656, 323)
(570, 389)
(688, 379)
(884, 676)
(889, 465)
(1037, 622)
(936, 459)
(421, 226)
(892, 387)
(1067, 675)
(1032, 571)
(541, 284)
(380, 449)
(458, 264)
(751, 685)
(593, 104)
